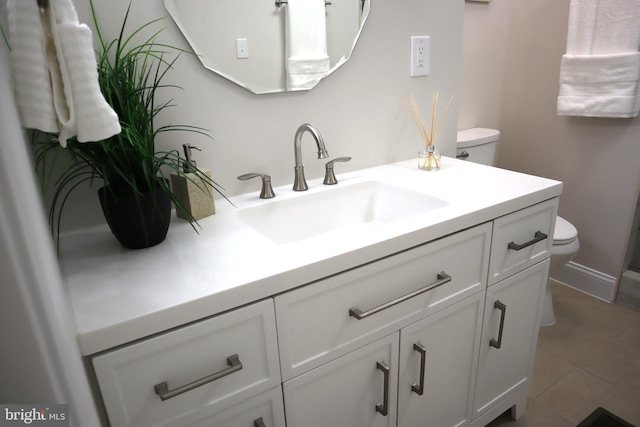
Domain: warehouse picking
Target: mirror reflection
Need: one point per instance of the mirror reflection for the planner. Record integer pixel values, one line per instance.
(266, 46)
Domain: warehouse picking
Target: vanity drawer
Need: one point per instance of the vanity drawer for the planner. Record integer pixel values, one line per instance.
(522, 239)
(207, 366)
(318, 323)
(265, 409)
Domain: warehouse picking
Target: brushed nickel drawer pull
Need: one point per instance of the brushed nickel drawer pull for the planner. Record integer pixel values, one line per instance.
(359, 314)
(259, 423)
(163, 391)
(539, 236)
(503, 312)
(418, 388)
(383, 407)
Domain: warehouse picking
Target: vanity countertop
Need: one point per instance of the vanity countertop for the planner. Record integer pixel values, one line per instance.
(120, 295)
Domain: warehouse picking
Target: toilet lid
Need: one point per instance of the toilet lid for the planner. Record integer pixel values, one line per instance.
(564, 232)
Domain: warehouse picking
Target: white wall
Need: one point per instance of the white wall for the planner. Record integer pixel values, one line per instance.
(519, 46)
(484, 50)
(360, 109)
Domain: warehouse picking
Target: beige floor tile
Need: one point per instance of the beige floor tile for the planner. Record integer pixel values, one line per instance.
(579, 393)
(630, 338)
(606, 318)
(606, 357)
(547, 370)
(571, 340)
(536, 415)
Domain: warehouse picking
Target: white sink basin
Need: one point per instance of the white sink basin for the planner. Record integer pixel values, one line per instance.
(367, 203)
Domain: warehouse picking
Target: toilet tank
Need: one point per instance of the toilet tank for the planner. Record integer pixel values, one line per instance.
(478, 145)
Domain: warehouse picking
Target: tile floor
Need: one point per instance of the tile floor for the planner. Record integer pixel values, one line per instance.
(589, 358)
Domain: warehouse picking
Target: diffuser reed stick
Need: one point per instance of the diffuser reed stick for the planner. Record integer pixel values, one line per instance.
(430, 134)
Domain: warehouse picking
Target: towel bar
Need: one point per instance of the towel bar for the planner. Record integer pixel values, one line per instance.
(281, 2)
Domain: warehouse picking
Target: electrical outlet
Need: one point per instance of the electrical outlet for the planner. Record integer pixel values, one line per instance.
(419, 56)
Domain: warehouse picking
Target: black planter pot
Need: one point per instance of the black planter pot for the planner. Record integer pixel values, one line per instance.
(137, 221)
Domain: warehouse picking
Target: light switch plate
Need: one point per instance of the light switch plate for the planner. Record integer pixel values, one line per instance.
(242, 48)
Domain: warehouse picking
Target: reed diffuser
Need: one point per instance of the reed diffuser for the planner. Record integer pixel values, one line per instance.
(429, 158)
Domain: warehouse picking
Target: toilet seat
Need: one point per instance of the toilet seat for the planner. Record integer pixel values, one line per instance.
(564, 232)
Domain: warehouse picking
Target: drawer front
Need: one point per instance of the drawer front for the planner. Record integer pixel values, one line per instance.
(318, 323)
(263, 410)
(519, 239)
(206, 366)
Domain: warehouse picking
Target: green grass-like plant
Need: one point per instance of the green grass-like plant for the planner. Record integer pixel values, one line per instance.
(130, 74)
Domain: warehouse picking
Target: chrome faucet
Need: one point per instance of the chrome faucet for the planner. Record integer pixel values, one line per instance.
(299, 183)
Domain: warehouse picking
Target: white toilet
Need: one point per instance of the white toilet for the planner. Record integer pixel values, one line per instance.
(479, 145)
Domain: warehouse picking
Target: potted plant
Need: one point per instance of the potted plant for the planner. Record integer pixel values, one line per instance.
(136, 197)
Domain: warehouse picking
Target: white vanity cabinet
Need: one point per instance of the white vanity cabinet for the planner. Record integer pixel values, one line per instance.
(412, 321)
(442, 334)
(466, 347)
(518, 274)
(429, 321)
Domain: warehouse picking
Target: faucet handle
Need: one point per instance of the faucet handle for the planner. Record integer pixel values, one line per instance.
(330, 176)
(267, 190)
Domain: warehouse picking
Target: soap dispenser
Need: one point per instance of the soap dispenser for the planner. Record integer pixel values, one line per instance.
(191, 189)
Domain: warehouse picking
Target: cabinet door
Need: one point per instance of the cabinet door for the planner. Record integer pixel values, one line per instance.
(358, 389)
(438, 359)
(509, 335)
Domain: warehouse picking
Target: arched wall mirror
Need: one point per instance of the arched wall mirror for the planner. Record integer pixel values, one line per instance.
(269, 47)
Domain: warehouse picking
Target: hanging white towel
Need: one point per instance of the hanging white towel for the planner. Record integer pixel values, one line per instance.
(600, 71)
(34, 94)
(306, 43)
(67, 62)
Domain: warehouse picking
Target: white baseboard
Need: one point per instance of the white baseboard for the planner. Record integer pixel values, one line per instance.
(587, 280)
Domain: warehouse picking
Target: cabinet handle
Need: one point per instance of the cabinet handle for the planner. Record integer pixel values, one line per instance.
(418, 388)
(503, 309)
(163, 391)
(539, 236)
(383, 407)
(259, 423)
(359, 314)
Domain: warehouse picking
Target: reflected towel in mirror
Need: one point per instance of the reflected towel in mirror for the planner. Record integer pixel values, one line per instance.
(306, 43)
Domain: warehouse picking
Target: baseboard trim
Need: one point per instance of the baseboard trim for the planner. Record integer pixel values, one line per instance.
(587, 280)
